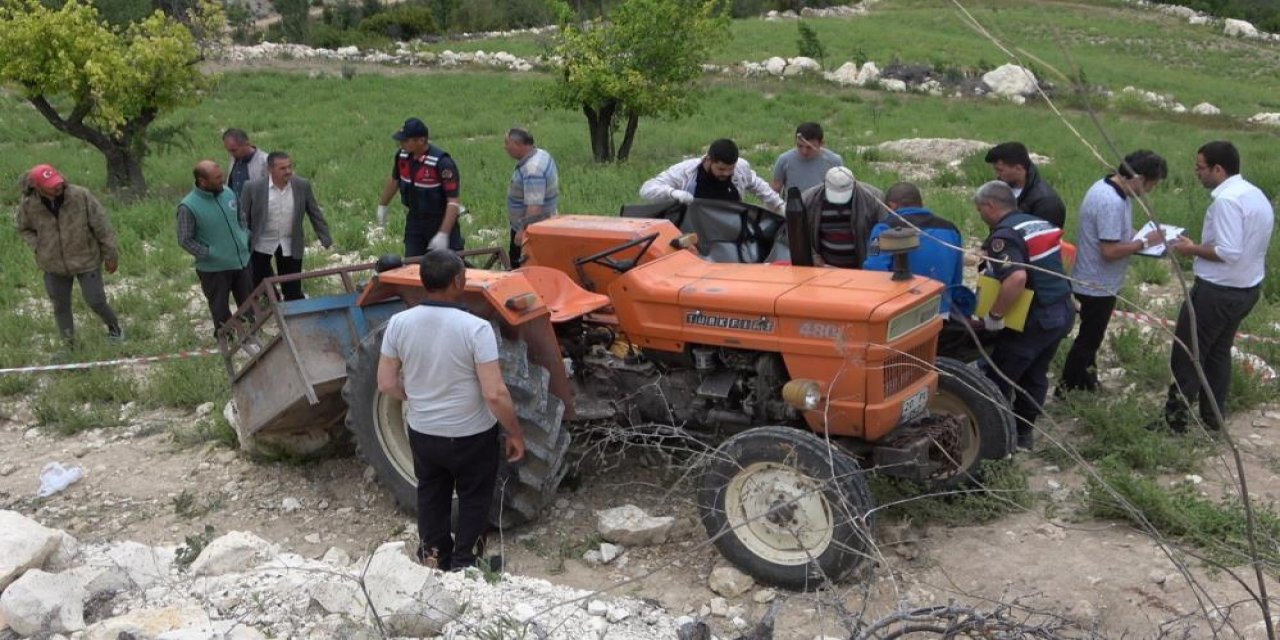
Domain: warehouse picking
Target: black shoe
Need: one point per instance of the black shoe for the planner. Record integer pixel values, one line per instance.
(115, 334)
(1167, 423)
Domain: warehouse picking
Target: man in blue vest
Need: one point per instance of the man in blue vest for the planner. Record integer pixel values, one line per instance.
(213, 230)
(1020, 360)
(939, 255)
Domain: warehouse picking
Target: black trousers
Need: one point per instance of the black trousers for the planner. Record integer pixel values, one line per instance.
(1080, 372)
(467, 466)
(1024, 357)
(218, 286)
(285, 265)
(1219, 312)
(419, 231)
(515, 251)
(91, 287)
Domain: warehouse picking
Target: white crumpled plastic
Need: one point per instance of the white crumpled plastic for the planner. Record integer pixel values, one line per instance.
(54, 478)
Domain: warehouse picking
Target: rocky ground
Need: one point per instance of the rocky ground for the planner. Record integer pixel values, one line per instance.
(208, 543)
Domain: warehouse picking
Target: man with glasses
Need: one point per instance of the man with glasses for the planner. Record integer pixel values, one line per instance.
(1230, 262)
(807, 164)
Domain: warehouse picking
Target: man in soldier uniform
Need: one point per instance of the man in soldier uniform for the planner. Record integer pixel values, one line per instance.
(427, 180)
(1020, 360)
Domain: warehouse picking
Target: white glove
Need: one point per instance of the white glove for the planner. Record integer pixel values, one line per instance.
(682, 196)
(439, 242)
(382, 216)
(991, 323)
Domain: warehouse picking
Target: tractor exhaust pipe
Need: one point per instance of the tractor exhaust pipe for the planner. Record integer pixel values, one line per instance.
(798, 232)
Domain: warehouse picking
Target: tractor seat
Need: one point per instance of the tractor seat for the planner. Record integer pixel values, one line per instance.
(563, 297)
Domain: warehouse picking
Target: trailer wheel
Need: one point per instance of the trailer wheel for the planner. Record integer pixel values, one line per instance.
(381, 433)
(786, 508)
(987, 424)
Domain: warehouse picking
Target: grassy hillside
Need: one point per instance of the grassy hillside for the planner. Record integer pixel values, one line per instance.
(338, 131)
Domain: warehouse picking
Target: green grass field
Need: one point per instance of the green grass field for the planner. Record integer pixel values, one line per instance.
(338, 131)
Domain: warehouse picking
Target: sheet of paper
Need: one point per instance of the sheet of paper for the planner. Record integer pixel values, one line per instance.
(1155, 251)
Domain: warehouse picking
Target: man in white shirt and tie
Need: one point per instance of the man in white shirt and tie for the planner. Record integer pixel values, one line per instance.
(1230, 263)
(274, 208)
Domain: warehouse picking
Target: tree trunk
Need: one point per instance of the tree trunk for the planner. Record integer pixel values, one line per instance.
(628, 137)
(600, 124)
(124, 170)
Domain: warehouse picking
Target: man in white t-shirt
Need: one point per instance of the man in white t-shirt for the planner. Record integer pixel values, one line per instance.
(443, 362)
(1230, 264)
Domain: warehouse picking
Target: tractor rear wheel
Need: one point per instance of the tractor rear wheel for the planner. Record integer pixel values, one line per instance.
(986, 430)
(381, 433)
(786, 508)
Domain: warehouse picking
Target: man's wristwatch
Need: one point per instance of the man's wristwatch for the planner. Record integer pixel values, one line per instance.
(1146, 243)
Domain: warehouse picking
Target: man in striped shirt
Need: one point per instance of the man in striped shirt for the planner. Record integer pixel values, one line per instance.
(534, 192)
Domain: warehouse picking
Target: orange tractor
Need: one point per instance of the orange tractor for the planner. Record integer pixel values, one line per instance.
(813, 373)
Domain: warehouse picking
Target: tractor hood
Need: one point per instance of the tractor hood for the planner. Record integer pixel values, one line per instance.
(683, 298)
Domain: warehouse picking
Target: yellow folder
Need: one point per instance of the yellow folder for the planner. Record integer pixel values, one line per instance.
(1016, 317)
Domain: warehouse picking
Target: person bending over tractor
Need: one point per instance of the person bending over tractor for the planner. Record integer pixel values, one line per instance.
(73, 240)
(718, 175)
(442, 362)
(841, 212)
(1020, 360)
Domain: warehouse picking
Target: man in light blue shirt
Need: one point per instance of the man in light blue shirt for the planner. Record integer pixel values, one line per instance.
(534, 192)
(1104, 245)
(807, 164)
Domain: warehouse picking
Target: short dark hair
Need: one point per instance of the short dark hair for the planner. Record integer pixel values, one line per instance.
(520, 135)
(810, 131)
(1010, 153)
(724, 151)
(1221, 153)
(904, 193)
(276, 155)
(1145, 163)
(439, 268)
(235, 134)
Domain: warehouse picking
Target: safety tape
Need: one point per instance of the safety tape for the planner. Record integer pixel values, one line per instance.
(1155, 321)
(198, 353)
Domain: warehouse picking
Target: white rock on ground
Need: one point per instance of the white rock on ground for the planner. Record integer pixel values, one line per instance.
(893, 84)
(1239, 28)
(730, 582)
(235, 551)
(868, 73)
(630, 526)
(800, 65)
(775, 66)
(65, 556)
(143, 566)
(1205, 109)
(41, 603)
(938, 150)
(338, 594)
(609, 552)
(1272, 119)
(406, 595)
(149, 623)
(847, 73)
(1011, 80)
(24, 544)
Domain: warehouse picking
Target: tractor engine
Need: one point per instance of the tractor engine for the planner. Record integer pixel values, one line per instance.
(708, 387)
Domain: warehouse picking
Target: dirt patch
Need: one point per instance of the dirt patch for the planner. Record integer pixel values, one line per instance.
(140, 486)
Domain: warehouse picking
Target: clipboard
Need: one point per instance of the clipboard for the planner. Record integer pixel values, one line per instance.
(1016, 317)
(1156, 251)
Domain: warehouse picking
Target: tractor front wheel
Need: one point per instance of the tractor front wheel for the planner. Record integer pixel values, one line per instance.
(786, 508)
(986, 424)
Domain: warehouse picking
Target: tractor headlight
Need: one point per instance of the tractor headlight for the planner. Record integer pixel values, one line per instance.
(805, 395)
(907, 322)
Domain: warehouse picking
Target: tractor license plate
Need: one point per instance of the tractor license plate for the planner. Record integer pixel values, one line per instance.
(915, 406)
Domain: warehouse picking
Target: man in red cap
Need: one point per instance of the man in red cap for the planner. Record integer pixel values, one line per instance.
(73, 240)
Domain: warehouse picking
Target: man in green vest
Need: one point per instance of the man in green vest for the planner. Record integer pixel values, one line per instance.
(214, 230)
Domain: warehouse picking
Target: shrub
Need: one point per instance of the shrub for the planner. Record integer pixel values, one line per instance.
(404, 22)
